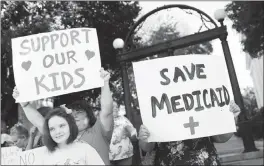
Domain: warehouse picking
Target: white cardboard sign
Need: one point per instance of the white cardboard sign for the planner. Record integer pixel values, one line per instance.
(29, 157)
(184, 97)
(56, 63)
(9, 155)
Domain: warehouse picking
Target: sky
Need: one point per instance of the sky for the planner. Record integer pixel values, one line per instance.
(209, 7)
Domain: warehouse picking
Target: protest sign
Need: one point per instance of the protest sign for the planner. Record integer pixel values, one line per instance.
(56, 63)
(29, 157)
(184, 97)
(9, 155)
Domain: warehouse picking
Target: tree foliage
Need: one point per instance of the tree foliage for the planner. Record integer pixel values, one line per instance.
(248, 18)
(169, 32)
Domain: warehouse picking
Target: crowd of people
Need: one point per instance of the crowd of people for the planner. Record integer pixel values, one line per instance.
(75, 135)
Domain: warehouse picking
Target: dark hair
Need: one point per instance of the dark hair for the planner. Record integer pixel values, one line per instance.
(60, 112)
(21, 130)
(44, 110)
(82, 105)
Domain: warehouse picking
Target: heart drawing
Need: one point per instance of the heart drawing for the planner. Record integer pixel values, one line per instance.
(26, 65)
(89, 54)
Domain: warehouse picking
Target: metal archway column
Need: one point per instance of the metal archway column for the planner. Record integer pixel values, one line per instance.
(218, 32)
(136, 55)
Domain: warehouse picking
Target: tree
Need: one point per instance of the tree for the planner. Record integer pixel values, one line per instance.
(169, 32)
(111, 19)
(250, 102)
(248, 18)
(17, 19)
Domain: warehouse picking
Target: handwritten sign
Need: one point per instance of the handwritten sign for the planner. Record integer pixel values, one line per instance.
(29, 157)
(184, 97)
(9, 155)
(56, 63)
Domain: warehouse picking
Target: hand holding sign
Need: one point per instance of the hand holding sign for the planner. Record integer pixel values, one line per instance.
(185, 95)
(34, 104)
(234, 108)
(143, 133)
(105, 75)
(16, 95)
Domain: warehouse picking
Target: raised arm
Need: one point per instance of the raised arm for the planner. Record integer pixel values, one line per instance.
(106, 114)
(31, 112)
(32, 135)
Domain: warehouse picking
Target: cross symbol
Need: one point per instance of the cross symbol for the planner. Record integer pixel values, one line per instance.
(191, 124)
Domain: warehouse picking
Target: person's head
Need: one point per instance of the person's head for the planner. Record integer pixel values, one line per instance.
(19, 135)
(59, 129)
(83, 114)
(118, 109)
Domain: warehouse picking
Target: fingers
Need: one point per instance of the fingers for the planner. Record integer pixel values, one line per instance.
(15, 93)
(143, 133)
(233, 107)
(33, 129)
(39, 103)
(104, 74)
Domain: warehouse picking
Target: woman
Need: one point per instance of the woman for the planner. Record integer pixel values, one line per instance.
(121, 148)
(60, 131)
(59, 134)
(96, 133)
(200, 151)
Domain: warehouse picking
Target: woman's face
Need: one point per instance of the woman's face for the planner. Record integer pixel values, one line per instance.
(81, 120)
(59, 129)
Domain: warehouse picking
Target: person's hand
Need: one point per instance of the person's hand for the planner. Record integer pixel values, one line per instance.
(234, 108)
(104, 75)
(35, 104)
(33, 131)
(143, 133)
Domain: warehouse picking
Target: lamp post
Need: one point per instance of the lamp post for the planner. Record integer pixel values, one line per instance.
(246, 131)
(129, 54)
(118, 44)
